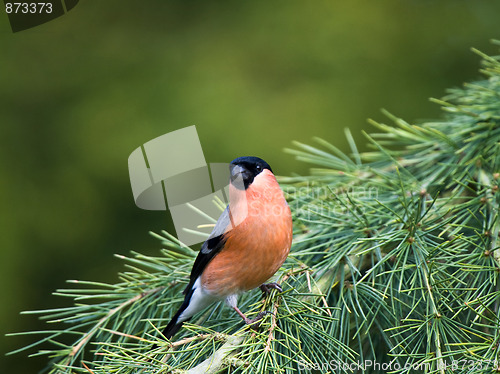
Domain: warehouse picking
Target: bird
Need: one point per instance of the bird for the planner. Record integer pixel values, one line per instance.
(249, 243)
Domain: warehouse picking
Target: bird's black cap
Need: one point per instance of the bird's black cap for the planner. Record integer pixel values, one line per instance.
(248, 168)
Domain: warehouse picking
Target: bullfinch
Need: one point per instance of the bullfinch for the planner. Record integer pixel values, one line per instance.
(248, 244)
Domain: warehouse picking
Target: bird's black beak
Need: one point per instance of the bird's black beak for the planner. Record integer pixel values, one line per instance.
(239, 176)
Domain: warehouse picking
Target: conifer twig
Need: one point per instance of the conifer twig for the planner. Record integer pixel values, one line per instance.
(216, 362)
(84, 340)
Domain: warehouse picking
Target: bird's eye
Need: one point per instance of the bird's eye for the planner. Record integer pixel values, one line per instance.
(259, 168)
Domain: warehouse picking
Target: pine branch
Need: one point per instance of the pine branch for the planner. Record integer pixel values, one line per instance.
(220, 358)
(81, 344)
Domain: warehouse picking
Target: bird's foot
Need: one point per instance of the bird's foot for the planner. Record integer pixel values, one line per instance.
(255, 322)
(266, 288)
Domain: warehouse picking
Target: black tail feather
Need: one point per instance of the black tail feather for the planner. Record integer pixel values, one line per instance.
(173, 326)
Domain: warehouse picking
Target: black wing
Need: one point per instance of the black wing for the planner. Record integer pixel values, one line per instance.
(210, 248)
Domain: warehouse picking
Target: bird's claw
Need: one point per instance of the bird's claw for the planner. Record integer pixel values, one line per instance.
(255, 322)
(266, 288)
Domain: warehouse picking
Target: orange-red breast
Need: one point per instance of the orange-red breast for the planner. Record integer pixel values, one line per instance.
(248, 244)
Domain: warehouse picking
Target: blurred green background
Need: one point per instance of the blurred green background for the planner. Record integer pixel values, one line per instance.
(80, 93)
